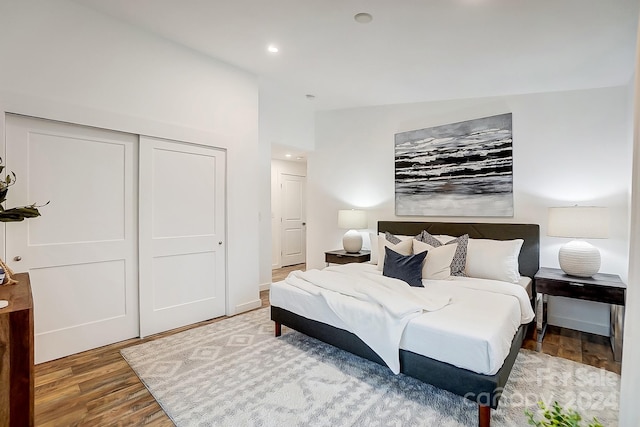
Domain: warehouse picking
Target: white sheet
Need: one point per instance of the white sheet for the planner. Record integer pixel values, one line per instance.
(526, 283)
(473, 332)
(374, 307)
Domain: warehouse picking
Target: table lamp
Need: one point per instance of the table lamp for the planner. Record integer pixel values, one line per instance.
(579, 258)
(352, 219)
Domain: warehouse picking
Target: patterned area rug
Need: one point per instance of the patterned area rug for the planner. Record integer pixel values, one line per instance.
(236, 373)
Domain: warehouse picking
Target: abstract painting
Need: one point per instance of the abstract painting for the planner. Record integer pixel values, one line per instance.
(459, 169)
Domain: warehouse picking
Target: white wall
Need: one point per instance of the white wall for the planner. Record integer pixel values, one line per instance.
(630, 383)
(569, 147)
(279, 167)
(63, 61)
(286, 119)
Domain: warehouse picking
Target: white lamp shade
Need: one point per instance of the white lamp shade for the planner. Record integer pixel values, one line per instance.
(352, 219)
(586, 222)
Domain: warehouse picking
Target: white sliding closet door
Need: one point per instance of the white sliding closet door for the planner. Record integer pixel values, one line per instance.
(182, 234)
(81, 253)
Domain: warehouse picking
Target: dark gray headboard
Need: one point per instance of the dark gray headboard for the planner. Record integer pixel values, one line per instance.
(529, 255)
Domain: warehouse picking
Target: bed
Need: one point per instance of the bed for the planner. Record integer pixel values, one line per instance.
(481, 382)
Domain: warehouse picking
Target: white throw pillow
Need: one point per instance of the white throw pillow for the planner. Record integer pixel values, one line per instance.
(437, 264)
(494, 259)
(443, 238)
(373, 238)
(403, 248)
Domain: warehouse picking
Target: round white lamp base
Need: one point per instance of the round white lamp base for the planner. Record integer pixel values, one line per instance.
(579, 258)
(352, 241)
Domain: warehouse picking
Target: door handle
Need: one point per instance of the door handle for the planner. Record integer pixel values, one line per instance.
(220, 242)
(17, 258)
(304, 223)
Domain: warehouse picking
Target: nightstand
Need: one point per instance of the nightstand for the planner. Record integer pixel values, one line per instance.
(605, 288)
(343, 257)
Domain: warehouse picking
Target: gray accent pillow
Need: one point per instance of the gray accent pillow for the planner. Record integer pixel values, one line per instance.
(459, 258)
(391, 238)
(427, 238)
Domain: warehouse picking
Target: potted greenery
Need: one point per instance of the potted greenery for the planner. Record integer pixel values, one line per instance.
(558, 416)
(12, 215)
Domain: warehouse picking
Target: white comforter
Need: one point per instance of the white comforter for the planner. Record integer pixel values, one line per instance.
(374, 307)
(478, 333)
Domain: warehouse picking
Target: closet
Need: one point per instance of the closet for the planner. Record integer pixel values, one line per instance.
(132, 241)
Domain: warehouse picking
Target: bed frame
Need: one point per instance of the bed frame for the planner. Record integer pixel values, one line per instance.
(485, 390)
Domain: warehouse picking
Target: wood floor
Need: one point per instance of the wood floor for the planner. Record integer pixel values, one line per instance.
(98, 388)
(282, 273)
(583, 347)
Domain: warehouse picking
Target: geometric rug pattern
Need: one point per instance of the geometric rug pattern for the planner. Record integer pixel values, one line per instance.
(236, 373)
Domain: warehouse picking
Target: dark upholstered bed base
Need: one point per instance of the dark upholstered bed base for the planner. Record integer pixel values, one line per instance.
(482, 389)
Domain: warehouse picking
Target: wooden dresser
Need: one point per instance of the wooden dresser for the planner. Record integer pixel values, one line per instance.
(16, 354)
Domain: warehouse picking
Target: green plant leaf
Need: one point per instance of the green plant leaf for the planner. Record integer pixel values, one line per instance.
(557, 416)
(14, 214)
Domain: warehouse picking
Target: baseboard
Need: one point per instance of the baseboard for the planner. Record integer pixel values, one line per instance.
(578, 325)
(265, 287)
(248, 306)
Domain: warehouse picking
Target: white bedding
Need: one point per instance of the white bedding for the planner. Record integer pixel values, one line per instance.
(473, 332)
(374, 307)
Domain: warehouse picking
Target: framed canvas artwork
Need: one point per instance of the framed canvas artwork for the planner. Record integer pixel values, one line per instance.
(459, 169)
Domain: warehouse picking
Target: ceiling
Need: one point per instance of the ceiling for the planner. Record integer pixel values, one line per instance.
(412, 51)
(283, 152)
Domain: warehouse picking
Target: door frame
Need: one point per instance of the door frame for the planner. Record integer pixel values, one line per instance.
(276, 207)
(303, 179)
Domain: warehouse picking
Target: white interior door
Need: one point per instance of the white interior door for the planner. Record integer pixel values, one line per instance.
(182, 234)
(81, 253)
(294, 230)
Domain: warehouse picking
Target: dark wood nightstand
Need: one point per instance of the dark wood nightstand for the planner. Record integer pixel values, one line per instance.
(343, 257)
(605, 288)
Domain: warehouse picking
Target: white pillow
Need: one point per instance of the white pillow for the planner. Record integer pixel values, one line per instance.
(403, 248)
(443, 238)
(437, 264)
(494, 259)
(373, 238)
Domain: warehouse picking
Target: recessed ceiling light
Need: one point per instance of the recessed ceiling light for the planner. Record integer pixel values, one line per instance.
(299, 158)
(363, 17)
(273, 49)
(310, 97)
(287, 155)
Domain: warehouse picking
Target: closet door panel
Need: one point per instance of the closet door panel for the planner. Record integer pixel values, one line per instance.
(81, 253)
(182, 234)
